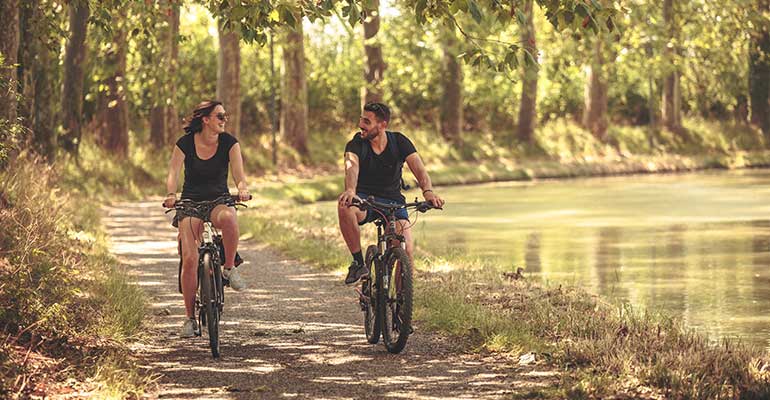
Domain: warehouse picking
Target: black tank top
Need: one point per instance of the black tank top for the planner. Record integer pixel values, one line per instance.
(205, 179)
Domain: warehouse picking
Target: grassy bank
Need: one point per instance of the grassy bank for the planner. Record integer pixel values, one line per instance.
(68, 310)
(603, 349)
(561, 149)
(328, 187)
(66, 307)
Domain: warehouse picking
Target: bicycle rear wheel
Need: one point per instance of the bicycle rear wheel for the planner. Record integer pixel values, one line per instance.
(372, 318)
(209, 301)
(397, 304)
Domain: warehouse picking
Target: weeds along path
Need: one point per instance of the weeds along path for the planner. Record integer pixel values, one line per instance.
(295, 332)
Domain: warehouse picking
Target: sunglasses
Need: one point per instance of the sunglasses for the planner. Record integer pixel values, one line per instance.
(222, 117)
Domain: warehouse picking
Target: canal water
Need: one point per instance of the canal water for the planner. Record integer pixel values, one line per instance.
(696, 246)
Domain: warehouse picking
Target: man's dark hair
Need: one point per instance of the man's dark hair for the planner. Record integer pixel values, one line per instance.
(378, 109)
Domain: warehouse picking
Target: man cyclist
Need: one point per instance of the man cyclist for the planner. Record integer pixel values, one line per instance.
(373, 162)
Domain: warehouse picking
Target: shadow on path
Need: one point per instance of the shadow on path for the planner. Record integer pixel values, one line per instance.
(293, 333)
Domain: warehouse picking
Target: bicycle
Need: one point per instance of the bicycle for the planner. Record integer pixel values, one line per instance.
(210, 294)
(387, 302)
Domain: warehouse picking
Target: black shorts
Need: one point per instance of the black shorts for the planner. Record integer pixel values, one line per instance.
(201, 211)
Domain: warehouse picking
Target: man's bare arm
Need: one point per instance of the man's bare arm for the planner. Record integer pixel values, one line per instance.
(423, 179)
(351, 179)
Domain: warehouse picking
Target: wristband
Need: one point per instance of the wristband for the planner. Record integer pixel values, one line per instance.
(427, 190)
(170, 194)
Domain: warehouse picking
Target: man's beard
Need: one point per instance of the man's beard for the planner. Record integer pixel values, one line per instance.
(368, 135)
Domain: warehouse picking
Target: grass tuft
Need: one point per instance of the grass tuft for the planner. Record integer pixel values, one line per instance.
(61, 294)
(602, 348)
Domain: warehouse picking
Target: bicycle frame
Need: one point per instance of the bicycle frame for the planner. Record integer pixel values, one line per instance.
(210, 294)
(386, 296)
(211, 242)
(387, 238)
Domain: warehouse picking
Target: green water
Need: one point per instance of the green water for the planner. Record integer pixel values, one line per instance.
(694, 245)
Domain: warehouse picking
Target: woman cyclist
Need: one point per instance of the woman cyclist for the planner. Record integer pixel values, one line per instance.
(207, 153)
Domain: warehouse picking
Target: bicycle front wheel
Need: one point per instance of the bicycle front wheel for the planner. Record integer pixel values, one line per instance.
(372, 319)
(209, 301)
(397, 307)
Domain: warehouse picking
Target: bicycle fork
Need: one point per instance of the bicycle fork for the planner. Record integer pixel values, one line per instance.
(365, 299)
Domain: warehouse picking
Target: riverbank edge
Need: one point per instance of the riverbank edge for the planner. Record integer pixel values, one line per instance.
(325, 187)
(601, 348)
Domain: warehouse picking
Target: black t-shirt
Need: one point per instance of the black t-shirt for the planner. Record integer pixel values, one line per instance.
(380, 174)
(205, 179)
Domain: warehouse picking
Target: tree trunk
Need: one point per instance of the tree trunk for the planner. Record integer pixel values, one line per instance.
(294, 91)
(229, 78)
(44, 112)
(375, 65)
(672, 97)
(595, 113)
(29, 47)
(528, 108)
(37, 79)
(158, 125)
(113, 110)
(9, 48)
(759, 76)
(452, 101)
(164, 124)
(74, 76)
(173, 123)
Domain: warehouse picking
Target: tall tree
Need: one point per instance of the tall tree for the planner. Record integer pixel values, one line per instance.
(173, 124)
(229, 77)
(112, 132)
(74, 76)
(595, 112)
(452, 100)
(9, 48)
(37, 77)
(528, 107)
(759, 73)
(672, 96)
(164, 121)
(374, 68)
(294, 90)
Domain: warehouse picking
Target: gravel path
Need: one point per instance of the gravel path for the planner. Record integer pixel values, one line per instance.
(294, 333)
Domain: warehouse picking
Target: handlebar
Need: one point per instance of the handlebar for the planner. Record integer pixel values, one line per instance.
(231, 199)
(421, 206)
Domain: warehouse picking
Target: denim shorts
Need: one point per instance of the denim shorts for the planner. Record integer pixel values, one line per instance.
(372, 215)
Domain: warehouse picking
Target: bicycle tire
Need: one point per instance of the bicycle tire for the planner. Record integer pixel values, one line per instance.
(372, 318)
(208, 300)
(397, 304)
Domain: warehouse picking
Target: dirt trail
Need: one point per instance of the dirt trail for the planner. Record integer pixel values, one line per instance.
(295, 332)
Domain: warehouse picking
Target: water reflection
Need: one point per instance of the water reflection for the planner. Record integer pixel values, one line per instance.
(607, 265)
(694, 245)
(532, 253)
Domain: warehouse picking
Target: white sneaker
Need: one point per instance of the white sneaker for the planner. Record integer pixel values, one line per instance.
(232, 275)
(189, 327)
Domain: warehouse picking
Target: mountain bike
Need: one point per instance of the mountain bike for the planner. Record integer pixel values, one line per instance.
(386, 294)
(210, 294)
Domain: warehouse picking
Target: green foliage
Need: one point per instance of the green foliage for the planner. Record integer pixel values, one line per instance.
(60, 291)
(603, 349)
(98, 176)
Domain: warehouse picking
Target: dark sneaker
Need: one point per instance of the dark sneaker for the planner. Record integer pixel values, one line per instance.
(356, 271)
